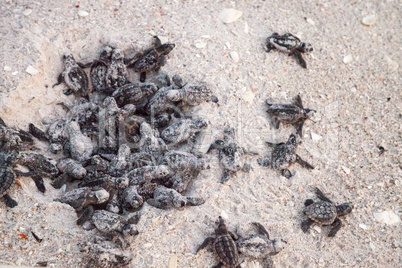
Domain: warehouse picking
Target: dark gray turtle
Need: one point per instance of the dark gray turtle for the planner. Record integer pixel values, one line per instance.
(7, 180)
(324, 212)
(181, 161)
(57, 135)
(39, 166)
(106, 182)
(288, 43)
(137, 94)
(97, 167)
(150, 142)
(152, 59)
(74, 77)
(119, 164)
(146, 190)
(131, 199)
(191, 95)
(116, 74)
(79, 145)
(72, 168)
(104, 253)
(231, 155)
(145, 174)
(99, 70)
(85, 113)
(259, 246)
(132, 128)
(160, 103)
(293, 114)
(114, 225)
(14, 139)
(184, 130)
(282, 156)
(169, 198)
(224, 246)
(82, 199)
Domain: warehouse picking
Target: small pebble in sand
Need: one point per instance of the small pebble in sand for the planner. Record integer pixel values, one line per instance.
(392, 64)
(27, 12)
(31, 70)
(172, 262)
(369, 20)
(147, 245)
(347, 59)
(14, 73)
(310, 21)
(363, 226)
(235, 56)
(317, 229)
(82, 13)
(387, 217)
(229, 15)
(7, 68)
(246, 28)
(315, 137)
(200, 44)
(347, 170)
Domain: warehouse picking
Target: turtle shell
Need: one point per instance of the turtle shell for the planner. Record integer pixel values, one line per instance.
(226, 250)
(7, 179)
(283, 156)
(321, 212)
(148, 62)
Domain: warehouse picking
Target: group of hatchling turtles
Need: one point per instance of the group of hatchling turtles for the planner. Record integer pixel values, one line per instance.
(121, 143)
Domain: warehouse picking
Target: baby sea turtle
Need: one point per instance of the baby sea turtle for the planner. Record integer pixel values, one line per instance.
(79, 145)
(191, 95)
(293, 114)
(104, 253)
(324, 212)
(231, 155)
(99, 70)
(169, 198)
(259, 246)
(7, 180)
(114, 225)
(151, 143)
(74, 77)
(151, 59)
(145, 174)
(132, 93)
(224, 246)
(184, 130)
(116, 74)
(282, 156)
(288, 43)
(14, 139)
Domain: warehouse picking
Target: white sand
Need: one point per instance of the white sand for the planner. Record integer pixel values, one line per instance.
(353, 118)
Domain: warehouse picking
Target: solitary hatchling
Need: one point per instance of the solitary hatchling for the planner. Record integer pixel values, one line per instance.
(288, 43)
(74, 77)
(152, 59)
(293, 114)
(282, 156)
(324, 212)
(224, 246)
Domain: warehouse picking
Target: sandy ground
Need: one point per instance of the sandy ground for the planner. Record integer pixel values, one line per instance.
(358, 109)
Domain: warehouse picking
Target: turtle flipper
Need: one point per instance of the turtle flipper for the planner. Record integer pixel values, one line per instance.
(299, 57)
(303, 163)
(39, 183)
(261, 229)
(194, 201)
(219, 265)
(9, 201)
(336, 225)
(321, 196)
(207, 241)
(276, 123)
(38, 133)
(286, 173)
(298, 102)
(143, 76)
(225, 177)
(299, 127)
(308, 202)
(60, 79)
(305, 226)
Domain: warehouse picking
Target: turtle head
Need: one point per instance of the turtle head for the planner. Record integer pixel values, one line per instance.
(292, 139)
(308, 113)
(221, 229)
(69, 59)
(202, 123)
(117, 54)
(305, 47)
(344, 209)
(278, 244)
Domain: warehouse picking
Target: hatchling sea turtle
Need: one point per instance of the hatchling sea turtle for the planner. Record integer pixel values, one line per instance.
(169, 198)
(231, 155)
(133, 93)
(223, 245)
(74, 77)
(184, 130)
(259, 246)
(293, 114)
(116, 74)
(151, 59)
(324, 212)
(7, 180)
(99, 70)
(282, 156)
(14, 139)
(288, 43)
